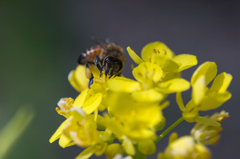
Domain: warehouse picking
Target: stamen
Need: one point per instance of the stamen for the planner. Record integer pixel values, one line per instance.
(146, 71)
(165, 52)
(155, 51)
(152, 74)
(149, 59)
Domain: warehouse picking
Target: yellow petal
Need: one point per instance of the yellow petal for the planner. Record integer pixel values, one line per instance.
(76, 113)
(165, 62)
(190, 116)
(98, 88)
(120, 103)
(174, 85)
(64, 141)
(134, 56)
(181, 148)
(191, 106)
(92, 103)
(78, 79)
(94, 70)
(128, 146)
(148, 96)
(160, 124)
(87, 153)
(170, 75)
(78, 102)
(140, 134)
(199, 90)
(173, 137)
(146, 71)
(149, 115)
(207, 69)
(221, 82)
(101, 149)
(114, 126)
(129, 110)
(147, 50)
(180, 101)
(58, 132)
(123, 84)
(165, 104)
(185, 60)
(214, 101)
(206, 121)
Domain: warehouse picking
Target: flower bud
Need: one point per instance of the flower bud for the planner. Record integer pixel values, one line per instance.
(206, 134)
(185, 147)
(147, 147)
(113, 150)
(160, 125)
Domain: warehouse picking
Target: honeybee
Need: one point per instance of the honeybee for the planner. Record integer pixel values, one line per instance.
(107, 56)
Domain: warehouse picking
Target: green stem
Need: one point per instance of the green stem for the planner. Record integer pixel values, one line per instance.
(169, 129)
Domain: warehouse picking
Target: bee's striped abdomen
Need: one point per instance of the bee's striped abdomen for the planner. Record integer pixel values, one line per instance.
(89, 55)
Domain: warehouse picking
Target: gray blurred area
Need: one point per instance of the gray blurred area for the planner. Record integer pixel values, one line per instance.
(40, 42)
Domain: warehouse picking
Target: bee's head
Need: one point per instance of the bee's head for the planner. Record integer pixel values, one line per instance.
(112, 66)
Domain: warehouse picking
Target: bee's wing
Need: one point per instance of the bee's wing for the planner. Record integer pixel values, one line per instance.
(110, 41)
(101, 42)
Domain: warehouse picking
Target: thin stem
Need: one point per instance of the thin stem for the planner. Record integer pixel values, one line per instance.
(169, 129)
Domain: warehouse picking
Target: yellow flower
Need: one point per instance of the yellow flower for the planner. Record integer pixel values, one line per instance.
(183, 148)
(209, 135)
(149, 86)
(217, 94)
(133, 108)
(78, 129)
(204, 98)
(64, 104)
(158, 53)
(157, 74)
(82, 129)
(89, 103)
(99, 147)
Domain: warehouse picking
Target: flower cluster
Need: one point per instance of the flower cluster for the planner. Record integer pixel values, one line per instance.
(192, 146)
(130, 111)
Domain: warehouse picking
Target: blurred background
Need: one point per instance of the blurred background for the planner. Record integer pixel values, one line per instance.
(40, 42)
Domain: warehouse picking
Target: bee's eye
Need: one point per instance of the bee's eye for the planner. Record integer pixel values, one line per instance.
(109, 58)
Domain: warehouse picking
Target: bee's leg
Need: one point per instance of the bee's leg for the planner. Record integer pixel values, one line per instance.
(104, 70)
(90, 82)
(97, 63)
(117, 74)
(88, 72)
